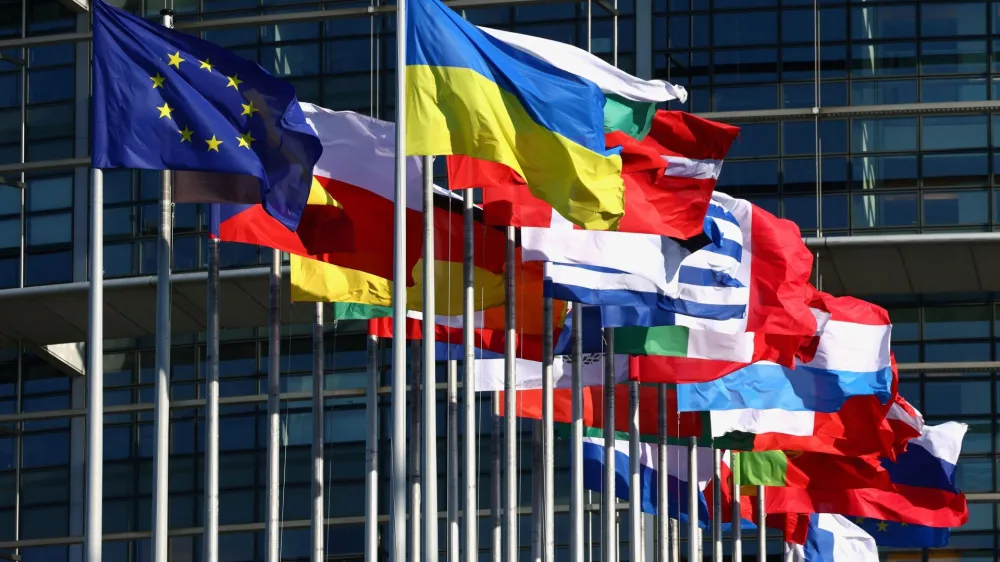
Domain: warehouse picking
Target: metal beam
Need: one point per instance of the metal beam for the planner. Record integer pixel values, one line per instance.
(281, 18)
(896, 240)
(852, 111)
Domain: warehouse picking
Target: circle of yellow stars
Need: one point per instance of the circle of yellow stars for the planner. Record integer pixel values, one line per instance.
(883, 526)
(245, 140)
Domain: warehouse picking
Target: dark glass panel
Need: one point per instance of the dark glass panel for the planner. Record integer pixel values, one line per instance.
(883, 59)
(750, 28)
(883, 22)
(952, 19)
(955, 170)
(937, 90)
(954, 208)
(883, 92)
(963, 396)
(953, 57)
(756, 139)
(741, 98)
(48, 268)
(883, 172)
(884, 134)
(883, 210)
(46, 194)
(745, 65)
(760, 176)
(954, 132)
(956, 322)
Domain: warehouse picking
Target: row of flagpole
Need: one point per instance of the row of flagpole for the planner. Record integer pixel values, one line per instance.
(543, 515)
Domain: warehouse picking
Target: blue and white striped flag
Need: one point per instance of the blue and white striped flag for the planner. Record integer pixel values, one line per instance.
(657, 273)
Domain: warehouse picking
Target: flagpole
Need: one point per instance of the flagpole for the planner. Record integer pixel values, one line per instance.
(452, 549)
(399, 278)
(496, 551)
(576, 443)
(609, 536)
(416, 443)
(318, 412)
(634, 454)
(371, 470)
(95, 374)
(429, 379)
(662, 480)
(717, 505)
(537, 527)
(737, 513)
(273, 409)
(510, 405)
(471, 520)
(548, 437)
(161, 405)
(675, 539)
(693, 499)
(211, 538)
(761, 526)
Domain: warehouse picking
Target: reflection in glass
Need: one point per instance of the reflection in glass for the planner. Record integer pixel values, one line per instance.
(953, 57)
(952, 19)
(938, 90)
(956, 322)
(960, 396)
(748, 28)
(955, 170)
(883, 172)
(883, 59)
(743, 98)
(948, 208)
(954, 132)
(883, 22)
(883, 210)
(884, 134)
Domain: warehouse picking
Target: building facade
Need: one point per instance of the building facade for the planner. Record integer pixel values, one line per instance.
(859, 118)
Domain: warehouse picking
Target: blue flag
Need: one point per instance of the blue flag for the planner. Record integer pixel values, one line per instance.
(165, 100)
(902, 535)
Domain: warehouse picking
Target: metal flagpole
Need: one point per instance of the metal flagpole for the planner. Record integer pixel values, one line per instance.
(453, 461)
(429, 379)
(399, 276)
(537, 527)
(273, 409)
(609, 500)
(318, 412)
(548, 437)
(161, 404)
(371, 470)
(662, 499)
(211, 539)
(634, 454)
(693, 499)
(95, 374)
(761, 526)
(496, 552)
(471, 520)
(737, 519)
(717, 505)
(416, 444)
(675, 540)
(576, 444)
(510, 405)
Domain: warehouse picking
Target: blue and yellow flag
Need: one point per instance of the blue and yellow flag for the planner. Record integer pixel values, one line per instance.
(165, 100)
(468, 93)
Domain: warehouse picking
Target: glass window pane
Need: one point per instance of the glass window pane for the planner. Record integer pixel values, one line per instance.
(883, 92)
(883, 22)
(952, 19)
(953, 57)
(749, 28)
(46, 449)
(936, 90)
(905, 323)
(50, 229)
(957, 397)
(46, 194)
(883, 59)
(949, 352)
(50, 85)
(883, 172)
(50, 121)
(948, 208)
(978, 438)
(974, 474)
(883, 210)
(884, 134)
(742, 178)
(956, 322)
(10, 233)
(955, 170)
(756, 139)
(954, 132)
(48, 268)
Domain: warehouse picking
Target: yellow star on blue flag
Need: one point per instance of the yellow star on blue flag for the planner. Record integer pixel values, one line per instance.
(166, 100)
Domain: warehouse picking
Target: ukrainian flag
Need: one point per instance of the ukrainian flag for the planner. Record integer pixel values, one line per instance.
(474, 95)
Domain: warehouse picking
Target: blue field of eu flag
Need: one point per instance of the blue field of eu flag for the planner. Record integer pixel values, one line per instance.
(165, 100)
(902, 535)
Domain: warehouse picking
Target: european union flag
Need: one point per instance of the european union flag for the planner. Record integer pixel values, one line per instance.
(902, 535)
(165, 100)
